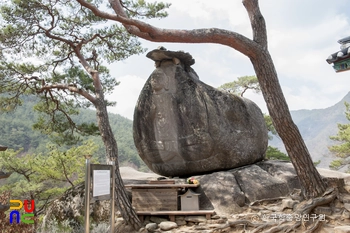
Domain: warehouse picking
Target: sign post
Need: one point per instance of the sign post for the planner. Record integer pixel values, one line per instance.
(87, 193)
(103, 186)
(103, 179)
(113, 197)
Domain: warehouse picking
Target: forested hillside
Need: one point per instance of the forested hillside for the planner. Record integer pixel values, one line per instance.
(16, 132)
(316, 126)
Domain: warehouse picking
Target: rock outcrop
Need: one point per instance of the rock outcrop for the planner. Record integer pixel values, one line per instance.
(184, 127)
(227, 192)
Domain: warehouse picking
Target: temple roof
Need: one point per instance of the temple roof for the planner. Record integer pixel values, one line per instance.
(343, 53)
(340, 55)
(344, 40)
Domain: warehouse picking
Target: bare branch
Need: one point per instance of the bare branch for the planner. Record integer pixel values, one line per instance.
(46, 201)
(65, 172)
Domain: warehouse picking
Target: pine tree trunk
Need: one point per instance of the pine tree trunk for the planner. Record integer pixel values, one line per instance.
(310, 179)
(122, 200)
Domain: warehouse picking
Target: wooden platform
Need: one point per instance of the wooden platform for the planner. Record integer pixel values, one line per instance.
(161, 199)
(159, 196)
(172, 214)
(156, 186)
(161, 182)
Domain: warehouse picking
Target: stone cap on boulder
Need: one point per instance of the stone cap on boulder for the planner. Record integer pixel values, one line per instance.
(162, 53)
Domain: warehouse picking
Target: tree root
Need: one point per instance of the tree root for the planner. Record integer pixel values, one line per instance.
(307, 206)
(304, 208)
(315, 227)
(267, 200)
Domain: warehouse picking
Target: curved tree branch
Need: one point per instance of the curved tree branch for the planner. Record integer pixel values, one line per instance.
(205, 35)
(69, 87)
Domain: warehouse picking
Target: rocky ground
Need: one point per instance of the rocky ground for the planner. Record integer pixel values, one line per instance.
(263, 216)
(263, 197)
(277, 214)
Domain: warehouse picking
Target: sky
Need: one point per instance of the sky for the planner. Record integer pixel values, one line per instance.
(301, 35)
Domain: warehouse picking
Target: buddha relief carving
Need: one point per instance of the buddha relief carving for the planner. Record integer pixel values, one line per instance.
(163, 115)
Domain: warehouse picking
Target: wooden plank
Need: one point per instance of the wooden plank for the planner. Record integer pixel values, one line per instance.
(156, 186)
(146, 195)
(161, 190)
(154, 206)
(165, 201)
(172, 214)
(161, 182)
(154, 199)
(154, 192)
(178, 212)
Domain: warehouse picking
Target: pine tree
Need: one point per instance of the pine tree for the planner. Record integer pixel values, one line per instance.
(342, 149)
(57, 50)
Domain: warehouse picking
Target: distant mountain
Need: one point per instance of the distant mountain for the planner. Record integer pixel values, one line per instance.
(316, 126)
(16, 132)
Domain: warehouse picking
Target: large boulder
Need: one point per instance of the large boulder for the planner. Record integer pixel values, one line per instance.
(228, 191)
(220, 191)
(253, 178)
(184, 127)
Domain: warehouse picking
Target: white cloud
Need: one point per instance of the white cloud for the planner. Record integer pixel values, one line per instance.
(300, 39)
(126, 95)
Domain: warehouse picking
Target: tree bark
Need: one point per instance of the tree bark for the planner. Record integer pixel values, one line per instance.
(257, 51)
(122, 201)
(310, 179)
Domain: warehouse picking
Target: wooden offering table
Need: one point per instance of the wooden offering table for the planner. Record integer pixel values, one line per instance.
(161, 199)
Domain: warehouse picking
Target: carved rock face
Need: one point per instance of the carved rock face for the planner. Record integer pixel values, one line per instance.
(184, 127)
